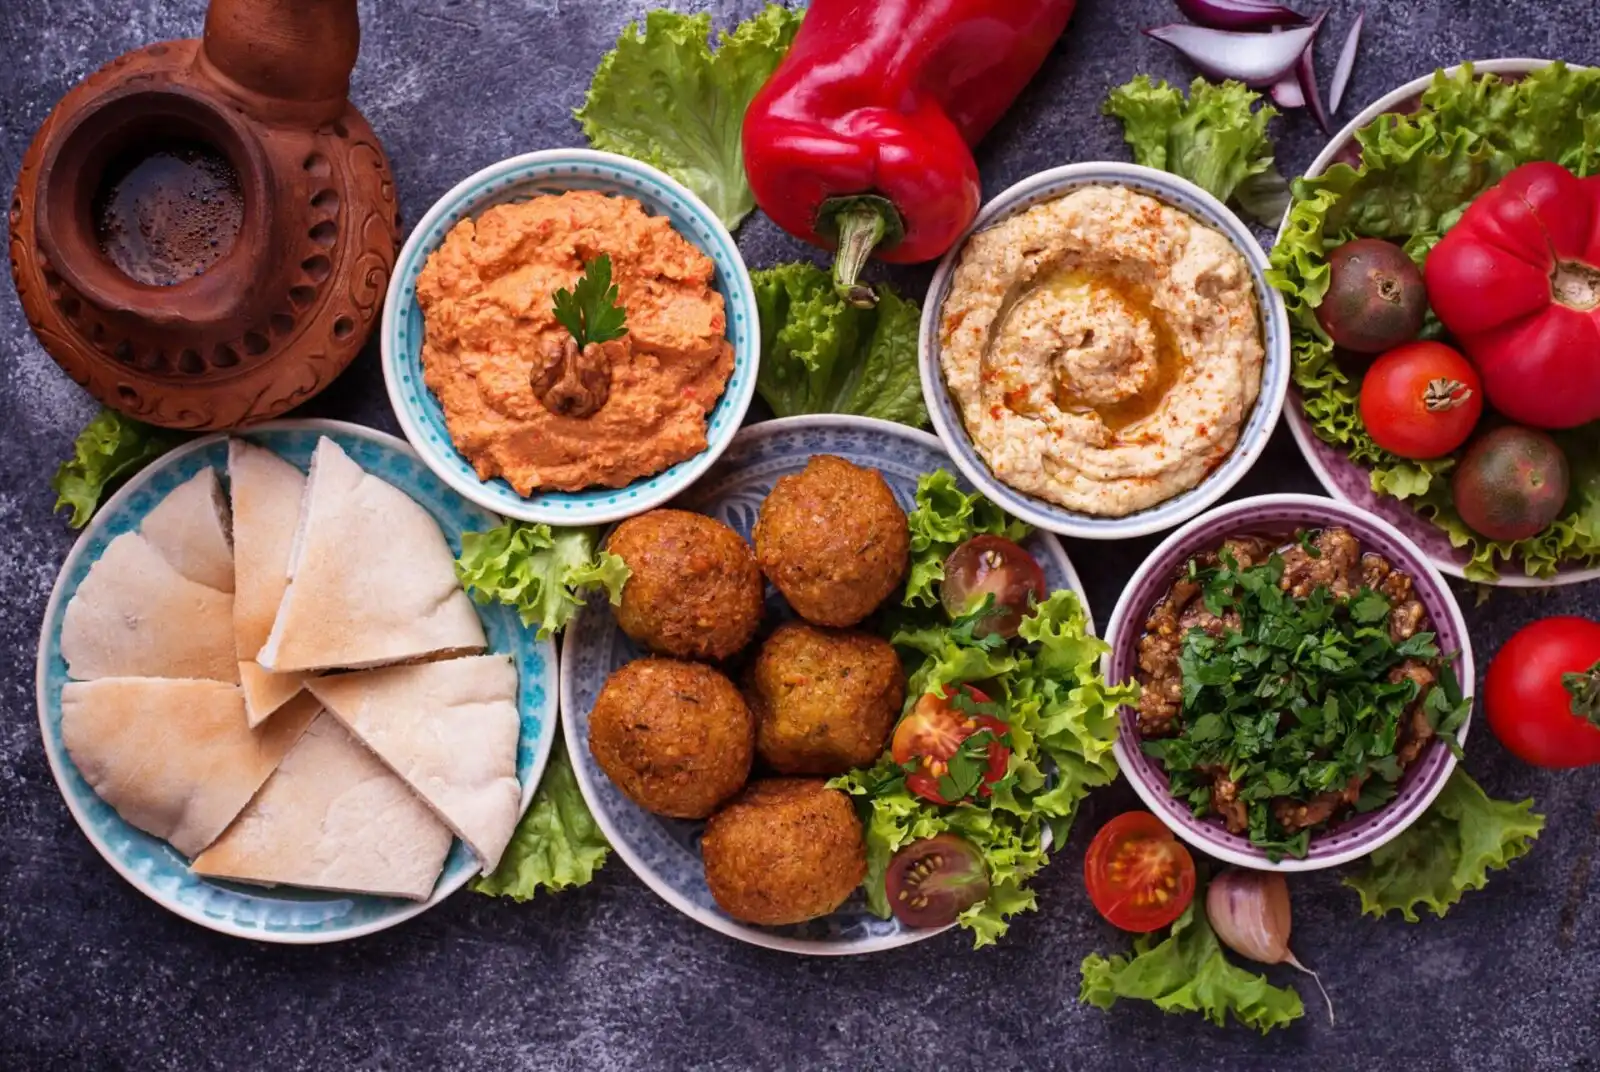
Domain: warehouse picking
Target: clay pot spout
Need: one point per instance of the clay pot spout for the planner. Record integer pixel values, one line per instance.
(282, 60)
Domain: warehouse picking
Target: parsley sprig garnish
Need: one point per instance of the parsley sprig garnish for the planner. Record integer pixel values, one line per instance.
(1297, 700)
(590, 310)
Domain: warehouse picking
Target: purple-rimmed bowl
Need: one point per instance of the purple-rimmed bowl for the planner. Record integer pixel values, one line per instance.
(1348, 480)
(1281, 515)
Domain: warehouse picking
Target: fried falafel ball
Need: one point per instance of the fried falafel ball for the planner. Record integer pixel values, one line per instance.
(694, 590)
(676, 737)
(784, 851)
(833, 540)
(824, 701)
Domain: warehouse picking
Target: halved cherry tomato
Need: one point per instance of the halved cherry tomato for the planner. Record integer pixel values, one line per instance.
(933, 732)
(932, 881)
(1139, 876)
(987, 566)
(1421, 400)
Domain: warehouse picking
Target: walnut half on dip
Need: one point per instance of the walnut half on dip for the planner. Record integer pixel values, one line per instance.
(518, 404)
(1104, 349)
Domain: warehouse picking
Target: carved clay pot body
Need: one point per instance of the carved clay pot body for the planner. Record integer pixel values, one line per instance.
(203, 231)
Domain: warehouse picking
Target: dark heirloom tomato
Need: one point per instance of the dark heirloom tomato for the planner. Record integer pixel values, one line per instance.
(987, 566)
(934, 731)
(932, 881)
(1139, 877)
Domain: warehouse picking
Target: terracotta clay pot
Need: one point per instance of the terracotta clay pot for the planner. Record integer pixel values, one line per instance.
(203, 231)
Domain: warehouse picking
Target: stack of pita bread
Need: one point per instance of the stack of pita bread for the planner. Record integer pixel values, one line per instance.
(205, 708)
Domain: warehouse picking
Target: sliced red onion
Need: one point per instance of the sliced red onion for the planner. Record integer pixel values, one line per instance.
(1305, 72)
(1347, 63)
(1240, 14)
(1286, 92)
(1257, 60)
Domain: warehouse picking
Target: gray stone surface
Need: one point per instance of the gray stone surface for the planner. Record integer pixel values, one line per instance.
(94, 976)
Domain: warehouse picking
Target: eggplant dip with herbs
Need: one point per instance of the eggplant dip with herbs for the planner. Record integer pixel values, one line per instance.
(1287, 685)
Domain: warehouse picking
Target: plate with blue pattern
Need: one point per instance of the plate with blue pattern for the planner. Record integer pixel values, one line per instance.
(665, 853)
(556, 171)
(280, 914)
(1178, 193)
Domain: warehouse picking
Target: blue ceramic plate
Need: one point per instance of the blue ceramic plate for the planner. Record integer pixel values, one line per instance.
(665, 853)
(283, 914)
(1180, 194)
(555, 171)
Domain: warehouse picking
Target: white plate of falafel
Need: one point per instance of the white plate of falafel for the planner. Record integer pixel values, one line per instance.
(706, 712)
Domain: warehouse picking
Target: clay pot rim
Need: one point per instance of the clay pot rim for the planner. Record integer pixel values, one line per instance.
(66, 235)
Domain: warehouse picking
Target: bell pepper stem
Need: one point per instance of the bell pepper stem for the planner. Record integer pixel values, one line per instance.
(861, 228)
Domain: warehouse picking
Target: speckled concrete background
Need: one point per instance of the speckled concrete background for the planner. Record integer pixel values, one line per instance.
(93, 976)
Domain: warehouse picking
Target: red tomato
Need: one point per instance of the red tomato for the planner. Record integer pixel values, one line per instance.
(933, 732)
(1542, 693)
(932, 881)
(1139, 877)
(1421, 400)
(987, 566)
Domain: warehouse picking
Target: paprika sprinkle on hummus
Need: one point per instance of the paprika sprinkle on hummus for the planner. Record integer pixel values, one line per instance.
(1104, 349)
(521, 399)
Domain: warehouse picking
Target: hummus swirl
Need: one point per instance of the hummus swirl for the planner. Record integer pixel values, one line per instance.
(1104, 349)
(486, 298)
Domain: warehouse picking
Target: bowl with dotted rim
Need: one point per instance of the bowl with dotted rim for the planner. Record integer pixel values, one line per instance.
(556, 171)
(665, 853)
(1280, 515)
(280, 914)
(1258, 423)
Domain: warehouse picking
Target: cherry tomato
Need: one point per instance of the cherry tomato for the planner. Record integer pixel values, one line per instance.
(1542, 693)
(992, 566)
(932, 881)
(1421, 400)
(934, 731)
(1139, 876)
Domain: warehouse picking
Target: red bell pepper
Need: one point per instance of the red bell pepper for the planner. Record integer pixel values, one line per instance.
(861, 139)
(1517, 282)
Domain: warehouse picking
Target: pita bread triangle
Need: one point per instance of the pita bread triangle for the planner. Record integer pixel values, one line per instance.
(142, 612)
(174, 757)
(266, 494)
(450, 730)
(372, 580)
(190, 529)
(332, 818)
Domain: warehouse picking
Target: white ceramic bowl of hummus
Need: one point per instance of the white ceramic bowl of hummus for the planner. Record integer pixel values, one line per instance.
(1101, 354)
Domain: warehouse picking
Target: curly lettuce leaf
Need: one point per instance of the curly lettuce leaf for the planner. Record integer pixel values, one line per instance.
(1188, 972)
(110, 449)
(1418, 174)
(666, 97)
(1061, 723)
(819, 354)
(1461, 838)
(540, 571)
(945, 517)
(556, 846)
(1217, 139)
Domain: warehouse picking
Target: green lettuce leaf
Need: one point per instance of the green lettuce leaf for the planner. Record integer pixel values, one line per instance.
(110, 449)
(1188, 972)
(1217, 139)
(556, 846)
(944, 517)
(820, 354)
(1061, 720)
(540, 571)
(1461, 838)
(665, 97)
(1418, 174)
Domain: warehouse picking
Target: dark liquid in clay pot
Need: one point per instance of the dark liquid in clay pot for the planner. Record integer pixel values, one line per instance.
(168, 212)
